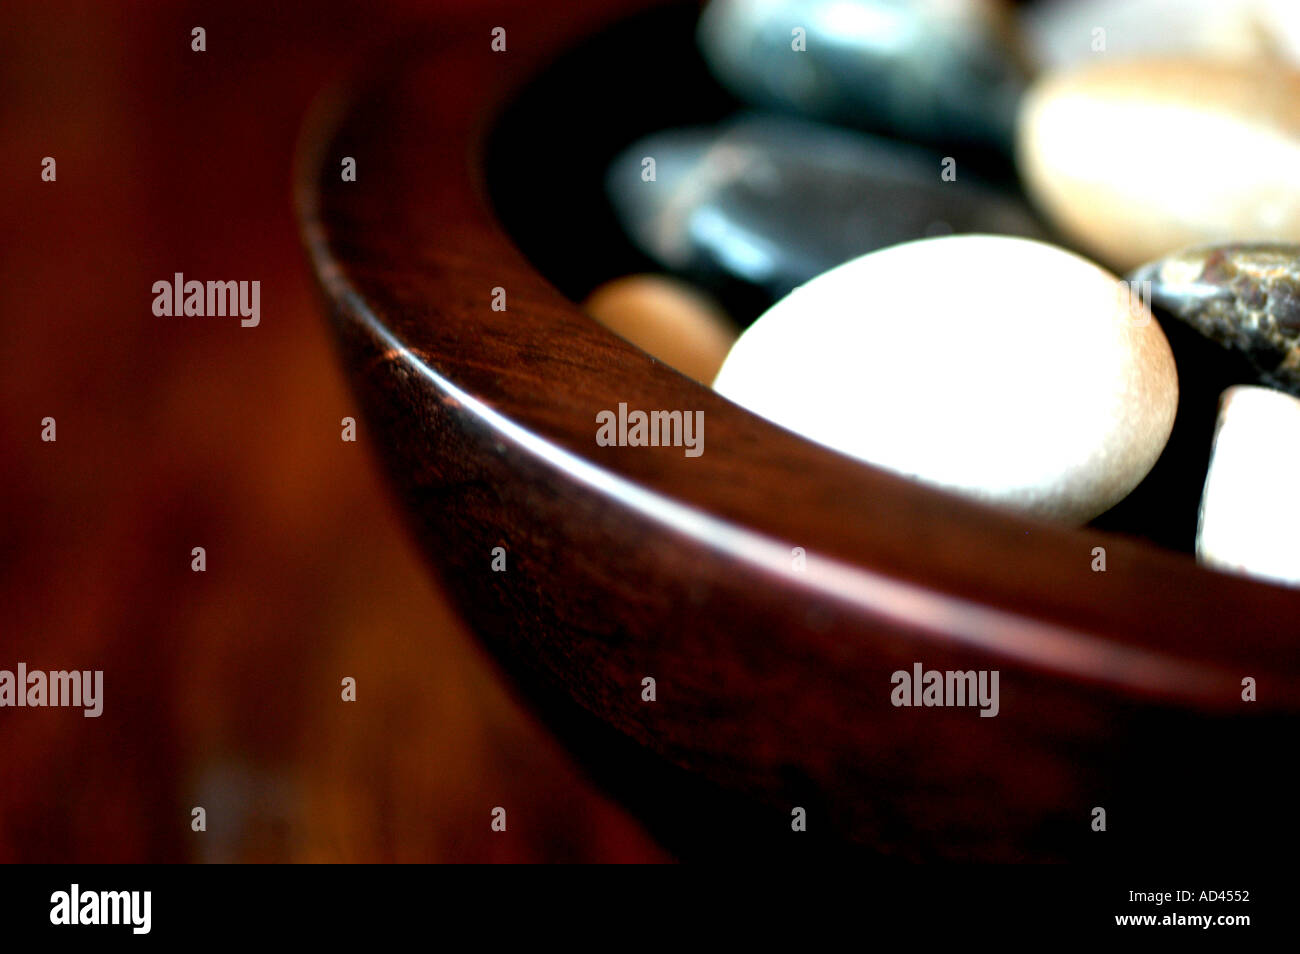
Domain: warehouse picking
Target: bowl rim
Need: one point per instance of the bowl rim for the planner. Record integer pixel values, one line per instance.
(411, 253)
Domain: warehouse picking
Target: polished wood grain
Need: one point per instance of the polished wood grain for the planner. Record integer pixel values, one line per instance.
(1119, 689)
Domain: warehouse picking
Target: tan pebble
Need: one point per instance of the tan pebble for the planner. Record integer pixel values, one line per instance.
(667, 318)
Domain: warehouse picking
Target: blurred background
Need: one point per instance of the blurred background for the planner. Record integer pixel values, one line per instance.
(221, 688)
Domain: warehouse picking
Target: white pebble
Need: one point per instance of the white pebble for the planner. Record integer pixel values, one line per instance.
(1249, 519)
(1003, 368)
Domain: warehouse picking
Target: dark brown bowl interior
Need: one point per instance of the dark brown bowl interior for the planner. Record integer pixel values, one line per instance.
(1119, 689)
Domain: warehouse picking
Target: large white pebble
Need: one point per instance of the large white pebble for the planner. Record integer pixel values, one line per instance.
(1249, 519)
(1007, 369)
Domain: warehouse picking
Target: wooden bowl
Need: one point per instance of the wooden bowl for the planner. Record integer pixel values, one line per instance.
(1120, 690)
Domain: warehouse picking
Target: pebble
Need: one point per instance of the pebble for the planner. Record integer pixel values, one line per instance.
(936, 70)
(1244, 296)
(1133, 160)
(1066, 33)
(1249, 520)
(772, 202)
(668, 319)
(1007, 369)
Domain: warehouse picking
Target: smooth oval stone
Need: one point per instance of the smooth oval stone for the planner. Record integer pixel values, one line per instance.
(1249, 520)
(1061, 34)
(668, 319)
(938, 70)
(1135, 160)
(1009, 370)
(1246, 297)
(773, 202)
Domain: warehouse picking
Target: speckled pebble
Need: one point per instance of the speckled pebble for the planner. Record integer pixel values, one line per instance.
(1244, 296)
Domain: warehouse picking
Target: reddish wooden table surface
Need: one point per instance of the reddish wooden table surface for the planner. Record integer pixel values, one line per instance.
(221, 688)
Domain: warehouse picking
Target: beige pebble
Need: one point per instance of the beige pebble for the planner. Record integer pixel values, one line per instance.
(1249, 519)
(1065, 33)
(669, 319)
(1132, 160)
